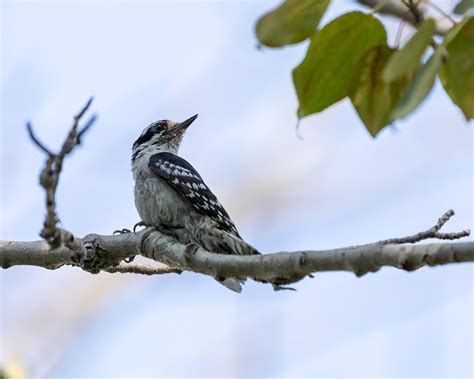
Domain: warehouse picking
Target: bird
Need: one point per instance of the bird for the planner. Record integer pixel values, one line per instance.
(171, 195)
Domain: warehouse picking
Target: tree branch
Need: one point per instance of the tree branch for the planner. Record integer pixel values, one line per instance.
(161, 269)
(99, 253)
(106, 253)
(94, 253)
(49, 178)
(397, 9)
(431, 233)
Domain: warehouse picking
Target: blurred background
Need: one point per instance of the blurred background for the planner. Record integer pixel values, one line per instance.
(337, 186)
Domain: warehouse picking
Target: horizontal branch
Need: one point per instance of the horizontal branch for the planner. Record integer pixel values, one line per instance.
(107, 253)
(288, 267)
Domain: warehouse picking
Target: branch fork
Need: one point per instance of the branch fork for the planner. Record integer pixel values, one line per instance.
(431, 233)
(49, 177)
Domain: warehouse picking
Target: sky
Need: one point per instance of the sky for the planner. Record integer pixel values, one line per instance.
(336, 186)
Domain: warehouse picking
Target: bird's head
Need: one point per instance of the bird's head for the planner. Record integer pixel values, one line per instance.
(163, 135)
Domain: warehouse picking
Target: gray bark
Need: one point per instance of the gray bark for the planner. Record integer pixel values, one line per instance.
(107, 252)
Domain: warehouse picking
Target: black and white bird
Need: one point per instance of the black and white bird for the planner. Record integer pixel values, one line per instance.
(170, 194)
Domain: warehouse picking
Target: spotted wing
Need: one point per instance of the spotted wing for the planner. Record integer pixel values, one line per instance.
(187, 182)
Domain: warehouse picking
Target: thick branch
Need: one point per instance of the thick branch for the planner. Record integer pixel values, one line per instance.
(397, 9)
(283, 268)
(105, 252)
(97, 253)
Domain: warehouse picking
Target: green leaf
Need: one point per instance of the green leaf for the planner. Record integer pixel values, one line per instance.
(464, 6)
(453, 32)
(457, 72)
(372, 96)
(323, 77)
(292, 22)
(419, 86)
(407, 59)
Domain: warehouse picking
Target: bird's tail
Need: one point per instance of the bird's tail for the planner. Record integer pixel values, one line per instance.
(231, 283)
(220, 242)
(228, 243)
(231, 244)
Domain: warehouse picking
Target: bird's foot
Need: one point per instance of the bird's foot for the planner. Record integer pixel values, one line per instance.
(122, 231)
(125, 231)
(166, 229)
(277, 287)
(141, 223)
(138, 224)
(190, 250)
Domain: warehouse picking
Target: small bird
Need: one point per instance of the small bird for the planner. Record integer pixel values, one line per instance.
(172, 196)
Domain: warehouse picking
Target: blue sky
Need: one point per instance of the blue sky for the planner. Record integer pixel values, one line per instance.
(145, 61)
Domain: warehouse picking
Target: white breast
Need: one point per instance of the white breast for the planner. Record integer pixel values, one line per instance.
(157, 203)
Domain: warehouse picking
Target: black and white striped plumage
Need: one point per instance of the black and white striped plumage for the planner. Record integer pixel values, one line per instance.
(187, 182)
(170, 193)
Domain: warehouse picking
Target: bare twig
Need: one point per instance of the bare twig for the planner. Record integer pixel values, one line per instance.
(380, 4)
(413, 7)
(49, 178)
(144, 269)
(85, 128)
(430, 233)
(441, 11)
(36, 141)
(399, 33)
(72, 138)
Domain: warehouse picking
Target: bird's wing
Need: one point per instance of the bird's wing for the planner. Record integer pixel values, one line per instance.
(186, 181)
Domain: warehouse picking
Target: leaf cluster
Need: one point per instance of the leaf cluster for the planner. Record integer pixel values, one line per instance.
(349, 57)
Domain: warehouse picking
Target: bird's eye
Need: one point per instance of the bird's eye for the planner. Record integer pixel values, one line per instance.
(148, 133)
(158, 127)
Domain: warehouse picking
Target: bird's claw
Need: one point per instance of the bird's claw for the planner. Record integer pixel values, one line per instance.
(166, 229)
(122, 231)
(125, 231)
(277, 287)
(140, 223)
(162, 228)
(190, 250)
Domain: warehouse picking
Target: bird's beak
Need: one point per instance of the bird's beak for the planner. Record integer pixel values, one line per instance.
(182, 126)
